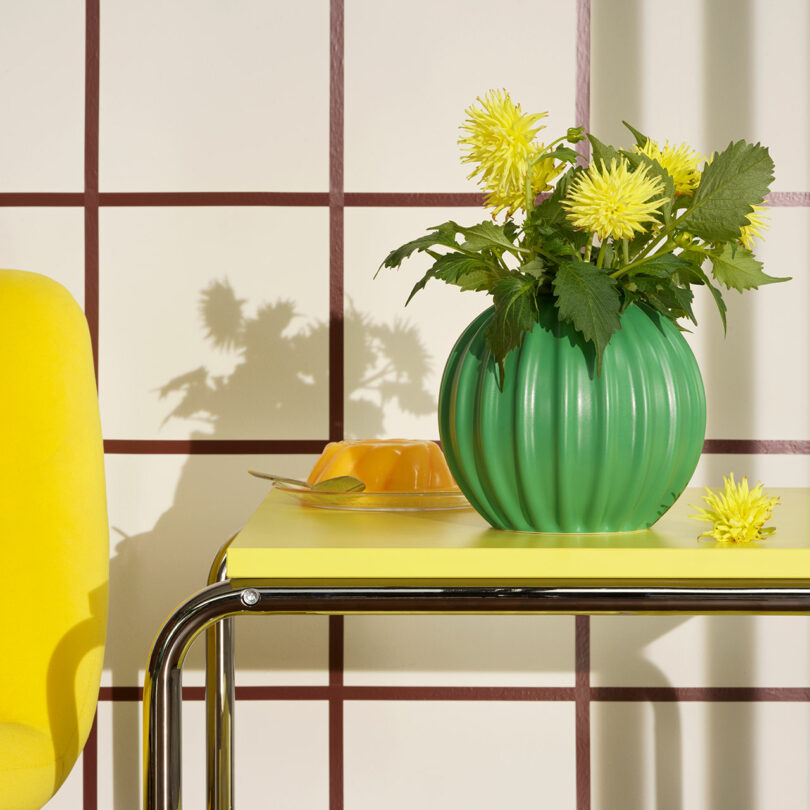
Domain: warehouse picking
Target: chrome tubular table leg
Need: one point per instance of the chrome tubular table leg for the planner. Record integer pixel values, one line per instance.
(162, 694)
(219, 702)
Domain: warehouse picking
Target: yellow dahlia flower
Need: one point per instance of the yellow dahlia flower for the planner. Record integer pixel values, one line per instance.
(738, 514)
(614, 201)
(500, 140)
(757, 223)
(680, 161)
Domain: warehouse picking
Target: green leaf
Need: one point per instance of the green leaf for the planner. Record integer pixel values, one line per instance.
(641, 140)
(735, 181)
(515, 314)
(444, 234)
(510, 230)
(602, 153)
(563, 153)
(550, 210)
(669, 299)
(661, 266)
(486, 235)
(698, 276)
(737, 268)
(588, 298)
(466, 272)
(536, 267)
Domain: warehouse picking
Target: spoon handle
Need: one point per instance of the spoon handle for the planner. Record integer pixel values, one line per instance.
(281, 479)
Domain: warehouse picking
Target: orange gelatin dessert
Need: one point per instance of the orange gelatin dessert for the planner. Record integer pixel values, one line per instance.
(386, 465)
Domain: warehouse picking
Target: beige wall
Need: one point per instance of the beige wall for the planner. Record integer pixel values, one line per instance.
(208, 96)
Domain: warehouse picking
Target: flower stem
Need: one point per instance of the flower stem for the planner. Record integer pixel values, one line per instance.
(664, 250)
(601, 257)
(626, 251)
(588, 249)
(528, 187)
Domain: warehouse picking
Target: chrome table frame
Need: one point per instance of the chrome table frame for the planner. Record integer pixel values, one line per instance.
(212, 608)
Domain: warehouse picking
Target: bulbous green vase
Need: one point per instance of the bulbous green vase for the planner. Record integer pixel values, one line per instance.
(561, 449)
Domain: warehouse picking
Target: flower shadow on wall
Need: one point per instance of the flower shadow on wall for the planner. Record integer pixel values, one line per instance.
(281, 370)
(279, 374)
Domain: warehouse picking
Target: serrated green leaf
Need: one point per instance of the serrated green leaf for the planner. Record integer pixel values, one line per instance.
(515, 314)
(602, 153)
(510, 230)
(486, 235)
(443, 234)
(736, 180)
(536, 267)
(641, 140)
(466, 272)
(737, 268)
(588, 298)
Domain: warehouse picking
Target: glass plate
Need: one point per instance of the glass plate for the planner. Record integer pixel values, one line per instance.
(428, 500)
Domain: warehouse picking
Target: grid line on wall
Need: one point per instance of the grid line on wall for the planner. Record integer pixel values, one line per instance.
(336, 220)
(90, 769)
(91, 155)
(218, 447)
(313, 199)
(495, 694)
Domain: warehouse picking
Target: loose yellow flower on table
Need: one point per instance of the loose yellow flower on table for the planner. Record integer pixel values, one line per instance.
(680, 161)
(738, 514)
(614, 201)
(500, 139)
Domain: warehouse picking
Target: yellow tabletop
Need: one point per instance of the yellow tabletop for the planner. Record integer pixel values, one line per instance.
(287, 543)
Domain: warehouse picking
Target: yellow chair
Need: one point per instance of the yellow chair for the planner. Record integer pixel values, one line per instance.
(53, 535)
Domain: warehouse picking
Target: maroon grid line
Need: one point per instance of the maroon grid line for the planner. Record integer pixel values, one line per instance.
(91, 291)
(13, 199)
(356, 199)
(375, 199)
(336, 625)
(582, 103)
(708, 694)
(212, 446)
(582, 626)
(506, 694)
(788, 199)
(218, 198)
(90, 768)
(413, 199)
(582, 696)
(757, 446)
(91, 117)
(336, 341)
(292, 446)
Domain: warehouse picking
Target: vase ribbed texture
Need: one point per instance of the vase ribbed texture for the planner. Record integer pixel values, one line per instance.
(561, 449)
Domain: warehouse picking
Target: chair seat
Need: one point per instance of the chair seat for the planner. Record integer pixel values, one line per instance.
(29, 769)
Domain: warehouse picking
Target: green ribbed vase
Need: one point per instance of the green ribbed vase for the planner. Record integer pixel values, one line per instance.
(562, 450)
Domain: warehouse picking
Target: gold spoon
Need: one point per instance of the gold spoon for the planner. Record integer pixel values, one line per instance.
(343, 483)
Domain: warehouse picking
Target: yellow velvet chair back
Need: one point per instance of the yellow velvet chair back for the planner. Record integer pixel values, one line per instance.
(54, 538)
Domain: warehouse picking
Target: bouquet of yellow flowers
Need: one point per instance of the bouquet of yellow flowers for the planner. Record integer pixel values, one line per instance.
(641, 224)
